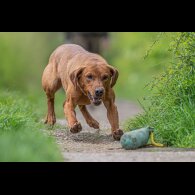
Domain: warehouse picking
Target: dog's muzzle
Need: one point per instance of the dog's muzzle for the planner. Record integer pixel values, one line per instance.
(94, 99)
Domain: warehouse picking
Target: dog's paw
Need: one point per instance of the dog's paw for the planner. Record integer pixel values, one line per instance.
(50, 120)
(117, 134)
(94, 124)
(76, 128)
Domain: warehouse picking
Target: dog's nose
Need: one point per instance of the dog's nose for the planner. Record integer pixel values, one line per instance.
(99, 92)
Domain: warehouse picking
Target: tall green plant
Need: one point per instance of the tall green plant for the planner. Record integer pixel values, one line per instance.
(171, 105)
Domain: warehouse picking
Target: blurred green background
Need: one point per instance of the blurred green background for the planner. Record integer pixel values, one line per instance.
(23, 57)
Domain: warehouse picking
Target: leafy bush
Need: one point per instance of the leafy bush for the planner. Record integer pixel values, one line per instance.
(170, 108)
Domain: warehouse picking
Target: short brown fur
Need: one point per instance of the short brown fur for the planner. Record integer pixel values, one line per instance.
(86, 78)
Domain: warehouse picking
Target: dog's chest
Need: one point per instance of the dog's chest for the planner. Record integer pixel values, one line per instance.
(83, 100)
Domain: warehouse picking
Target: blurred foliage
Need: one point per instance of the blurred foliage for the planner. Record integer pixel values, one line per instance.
(23, 57)
(128, 52)
(170, 107)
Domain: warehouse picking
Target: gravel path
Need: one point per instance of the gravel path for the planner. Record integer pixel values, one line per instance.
(92, 145)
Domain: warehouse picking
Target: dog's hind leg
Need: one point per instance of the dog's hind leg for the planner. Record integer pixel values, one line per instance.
(51, 117)
(89, 119)
(50, 84)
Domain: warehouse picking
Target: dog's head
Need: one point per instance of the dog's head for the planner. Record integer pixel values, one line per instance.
(94, 80)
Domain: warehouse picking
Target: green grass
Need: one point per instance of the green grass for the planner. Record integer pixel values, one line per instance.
(21, 139)
(174, 125)
(170, 107)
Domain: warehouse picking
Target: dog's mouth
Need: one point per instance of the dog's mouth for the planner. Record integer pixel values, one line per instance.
(94, 100)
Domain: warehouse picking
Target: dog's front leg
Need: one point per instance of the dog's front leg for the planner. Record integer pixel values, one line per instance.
(70, 115)
(113, 118)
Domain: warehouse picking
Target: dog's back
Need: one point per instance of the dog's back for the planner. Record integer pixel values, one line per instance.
(65, 52)
(72, 52)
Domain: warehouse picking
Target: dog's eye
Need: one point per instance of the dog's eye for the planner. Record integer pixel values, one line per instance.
(89, 77)
(105, 77)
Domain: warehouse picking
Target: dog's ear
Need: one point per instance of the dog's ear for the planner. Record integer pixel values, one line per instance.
(75, 75)
(114, 75)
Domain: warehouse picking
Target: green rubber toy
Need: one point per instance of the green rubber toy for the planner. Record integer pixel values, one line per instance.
(136, 138)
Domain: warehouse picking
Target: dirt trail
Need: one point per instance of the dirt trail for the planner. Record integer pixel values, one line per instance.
(92, 140)
(92, 145)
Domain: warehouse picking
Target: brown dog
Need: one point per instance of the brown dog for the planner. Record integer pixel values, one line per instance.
(86, 78)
